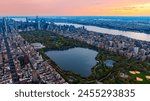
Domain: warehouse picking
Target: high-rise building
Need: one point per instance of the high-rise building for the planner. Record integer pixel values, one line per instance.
(24, 60)
(35, 77)
(27, 20)
(1, 59)
(136, 50)
(5, 25)
(38, 24)
(27, 23)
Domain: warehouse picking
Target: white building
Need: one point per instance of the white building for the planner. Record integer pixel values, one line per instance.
(136, 50)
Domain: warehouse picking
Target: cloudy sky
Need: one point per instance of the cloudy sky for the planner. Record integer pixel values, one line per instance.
(75, 7)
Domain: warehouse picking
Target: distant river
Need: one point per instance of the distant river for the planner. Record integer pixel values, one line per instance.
(134, 35)
(78, 60)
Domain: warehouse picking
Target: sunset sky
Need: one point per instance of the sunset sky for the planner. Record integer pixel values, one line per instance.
(75, 7)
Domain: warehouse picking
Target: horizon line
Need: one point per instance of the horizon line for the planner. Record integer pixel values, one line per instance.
(75, 15)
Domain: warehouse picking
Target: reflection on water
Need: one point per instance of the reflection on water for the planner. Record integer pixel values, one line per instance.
(77, 60)
(109, 63)
(134, 35)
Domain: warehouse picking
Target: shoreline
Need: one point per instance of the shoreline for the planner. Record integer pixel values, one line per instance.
(107, 28)
(62, 72)
(99, 71)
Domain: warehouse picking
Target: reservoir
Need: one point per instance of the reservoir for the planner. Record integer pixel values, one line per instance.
(78, 60)
(134, 35)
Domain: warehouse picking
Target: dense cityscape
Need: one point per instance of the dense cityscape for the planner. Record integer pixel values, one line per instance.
(118, 44)
(21, 62)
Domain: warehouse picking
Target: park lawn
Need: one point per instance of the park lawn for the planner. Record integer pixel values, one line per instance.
(143, 76)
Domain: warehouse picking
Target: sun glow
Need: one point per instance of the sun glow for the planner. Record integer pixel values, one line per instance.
(74, 7)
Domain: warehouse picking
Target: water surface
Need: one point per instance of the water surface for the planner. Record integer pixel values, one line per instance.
(109, 63)
(78, 60)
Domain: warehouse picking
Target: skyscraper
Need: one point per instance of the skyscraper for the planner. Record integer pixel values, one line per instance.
(38, 23)
(27, 23)
(5, 25)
